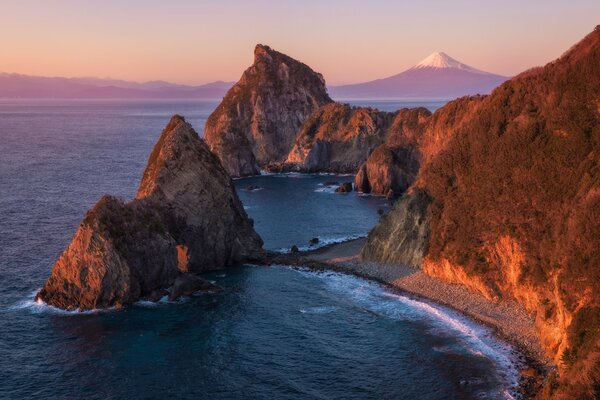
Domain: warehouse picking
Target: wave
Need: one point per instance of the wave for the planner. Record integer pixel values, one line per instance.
(39, 306)
(326, 189)
(476, 339)
(325, 242)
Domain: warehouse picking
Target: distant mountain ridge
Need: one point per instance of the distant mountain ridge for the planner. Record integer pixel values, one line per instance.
(438, 76)
(26, 86)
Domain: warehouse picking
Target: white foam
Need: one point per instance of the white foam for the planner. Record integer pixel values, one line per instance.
(326, 189)
(324, 242)
(39, 306)
(318, 310)
(476, 339)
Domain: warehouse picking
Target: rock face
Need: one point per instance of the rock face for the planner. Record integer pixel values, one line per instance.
(514, 190)
(402, 236)
(385, 173)
(338, 138)
(257, 121)
(185, 218)
(393, 166)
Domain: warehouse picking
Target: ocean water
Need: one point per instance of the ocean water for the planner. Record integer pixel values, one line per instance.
(272, 333)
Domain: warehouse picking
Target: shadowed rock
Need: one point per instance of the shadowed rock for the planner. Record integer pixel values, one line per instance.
(186, 217)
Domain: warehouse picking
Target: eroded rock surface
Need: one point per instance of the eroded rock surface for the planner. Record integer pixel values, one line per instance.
(258, 120)
(185, 218)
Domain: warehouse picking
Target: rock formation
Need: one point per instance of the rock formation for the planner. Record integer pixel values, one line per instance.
(385, 173)
(393, 166)
(513, 189)
(186, 218)
(402, 236)
(338, 138)
(257, 121)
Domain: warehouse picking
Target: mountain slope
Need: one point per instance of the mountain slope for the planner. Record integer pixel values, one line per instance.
(511, 204)
(25, 86)
(437, 76)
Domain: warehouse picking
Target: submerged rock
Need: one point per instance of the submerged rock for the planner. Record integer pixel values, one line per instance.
(187, 284)
(257, 121)
(186, 217)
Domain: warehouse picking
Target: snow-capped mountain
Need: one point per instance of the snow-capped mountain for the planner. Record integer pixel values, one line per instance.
(438, 76)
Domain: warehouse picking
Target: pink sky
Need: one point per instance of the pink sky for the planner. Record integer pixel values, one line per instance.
(195, 42)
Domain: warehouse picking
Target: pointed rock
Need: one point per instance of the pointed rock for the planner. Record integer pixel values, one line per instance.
(186, 218)
(257, 121)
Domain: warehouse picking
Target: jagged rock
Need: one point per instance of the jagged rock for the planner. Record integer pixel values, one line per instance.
(186, 217)
(402, 236)
(338, 138)
(187, 284)
(345, 187)
(257, 121)
(294, 249)
(313, 241)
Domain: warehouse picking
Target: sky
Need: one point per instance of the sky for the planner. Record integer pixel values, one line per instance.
(195, 41)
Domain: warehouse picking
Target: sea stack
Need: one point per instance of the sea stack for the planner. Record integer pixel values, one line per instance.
(257, 121)
(507, 203)
(186, 218)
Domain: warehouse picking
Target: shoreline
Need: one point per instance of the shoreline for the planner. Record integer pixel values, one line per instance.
(507, 320)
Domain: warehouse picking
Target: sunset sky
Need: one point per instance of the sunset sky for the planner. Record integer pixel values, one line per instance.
(194, 42)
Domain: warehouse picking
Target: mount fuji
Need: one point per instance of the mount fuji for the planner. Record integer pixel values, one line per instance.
(438, 76)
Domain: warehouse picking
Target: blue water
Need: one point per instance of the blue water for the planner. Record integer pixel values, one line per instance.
(272, 333)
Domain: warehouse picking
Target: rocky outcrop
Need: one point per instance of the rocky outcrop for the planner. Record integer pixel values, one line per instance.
(402, 236)
(186, 218)
(514, 190)
(385, 173)
(393, 166)
(338, 138)
(257, 121)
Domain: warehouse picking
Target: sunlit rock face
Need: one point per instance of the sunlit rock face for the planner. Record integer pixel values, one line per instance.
(185, 218)
(258, 120)
(513, 202)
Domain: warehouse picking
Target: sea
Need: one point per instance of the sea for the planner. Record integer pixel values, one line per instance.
(273, 333)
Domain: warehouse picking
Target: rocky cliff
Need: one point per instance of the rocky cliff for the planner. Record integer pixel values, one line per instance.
(513, 188)
(338, 138)
(257, 121)
(185, 218)
(393, 166)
